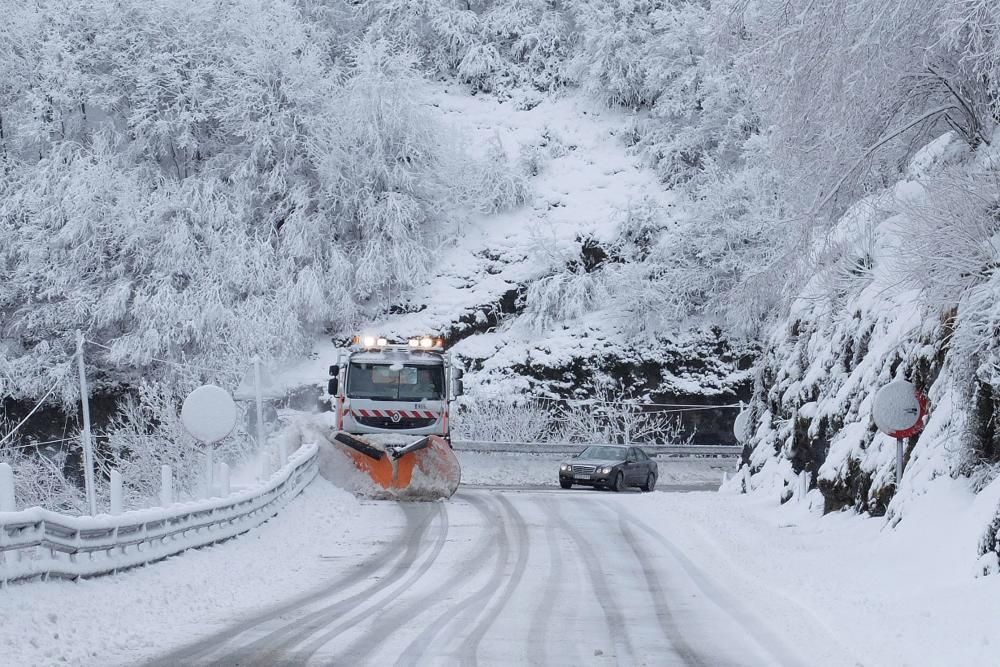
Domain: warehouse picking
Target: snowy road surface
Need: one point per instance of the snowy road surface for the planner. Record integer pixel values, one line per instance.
(506, 577)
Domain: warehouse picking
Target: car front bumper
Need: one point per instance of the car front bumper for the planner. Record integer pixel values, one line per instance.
(593, 479)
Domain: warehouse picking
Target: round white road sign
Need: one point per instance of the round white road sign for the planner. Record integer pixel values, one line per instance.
(209, 413)
(896, 409)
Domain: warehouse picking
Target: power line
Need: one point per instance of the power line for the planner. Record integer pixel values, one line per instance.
(34, 409)
(29, 445)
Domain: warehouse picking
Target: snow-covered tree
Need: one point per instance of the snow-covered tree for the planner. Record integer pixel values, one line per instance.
(612, 61)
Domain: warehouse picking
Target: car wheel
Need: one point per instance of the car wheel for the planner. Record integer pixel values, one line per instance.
(650, 483)
(565, 485)
(619, 483)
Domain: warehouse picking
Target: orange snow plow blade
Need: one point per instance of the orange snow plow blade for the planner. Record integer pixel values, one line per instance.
(426, 469)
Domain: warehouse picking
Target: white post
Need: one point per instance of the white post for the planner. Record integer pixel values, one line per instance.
(259, 395)
(223, 479)
(88, 448)
(899, 462)
(803, 485)
(7, 500)
(166, 486)
(209, 472)
(116, 492)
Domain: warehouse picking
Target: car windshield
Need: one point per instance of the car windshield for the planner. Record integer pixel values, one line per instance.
(605, 453)
(408, 382)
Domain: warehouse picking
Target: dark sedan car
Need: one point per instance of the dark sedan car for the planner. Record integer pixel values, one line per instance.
(610, 466)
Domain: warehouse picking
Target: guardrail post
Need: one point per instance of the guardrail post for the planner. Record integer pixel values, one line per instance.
(116, 492)
(166, 486)
(7, 501)
(224, 479)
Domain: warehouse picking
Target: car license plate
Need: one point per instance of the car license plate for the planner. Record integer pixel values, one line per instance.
(583, 476)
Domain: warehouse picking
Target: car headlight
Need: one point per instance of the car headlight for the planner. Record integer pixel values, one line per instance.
(565, 467)
(606, 470)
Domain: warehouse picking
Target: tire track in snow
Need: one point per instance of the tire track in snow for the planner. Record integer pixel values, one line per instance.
(359, 650)
(664, 614)
(202, 649)
(543, 612)
(303, 656)
(273, 647)
(415, 650)
(755, 631)
(613, 615)
(471, 644)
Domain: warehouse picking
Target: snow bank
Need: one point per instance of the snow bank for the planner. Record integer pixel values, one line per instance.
(126, 618)
(846, 589)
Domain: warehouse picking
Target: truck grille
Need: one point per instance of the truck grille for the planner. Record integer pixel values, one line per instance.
(403, 423)
(583, 469)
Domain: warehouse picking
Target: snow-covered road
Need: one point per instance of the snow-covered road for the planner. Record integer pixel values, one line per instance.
(516, 576)
(506, 577)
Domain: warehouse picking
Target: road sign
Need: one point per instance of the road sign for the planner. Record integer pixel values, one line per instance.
(209, 414)
(899, 409)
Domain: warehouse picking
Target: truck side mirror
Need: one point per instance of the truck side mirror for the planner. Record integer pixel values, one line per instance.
(332, 386)
(334, 371)
(459, 388)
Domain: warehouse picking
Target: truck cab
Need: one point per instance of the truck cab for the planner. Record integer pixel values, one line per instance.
(402, 389)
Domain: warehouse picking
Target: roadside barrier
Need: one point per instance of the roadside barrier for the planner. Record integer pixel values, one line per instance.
(40, 544)
(573, 448)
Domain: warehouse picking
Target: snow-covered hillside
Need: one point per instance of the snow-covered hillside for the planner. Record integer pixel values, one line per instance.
(529, 298)
(896, 296)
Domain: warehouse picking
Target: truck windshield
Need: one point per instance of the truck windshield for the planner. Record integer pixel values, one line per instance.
(381, 383)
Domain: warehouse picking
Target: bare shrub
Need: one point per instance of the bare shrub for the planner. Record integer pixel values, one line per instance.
(615, 421)
(500, 420)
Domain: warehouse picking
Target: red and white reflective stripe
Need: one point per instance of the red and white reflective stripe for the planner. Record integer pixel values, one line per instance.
(413, 414)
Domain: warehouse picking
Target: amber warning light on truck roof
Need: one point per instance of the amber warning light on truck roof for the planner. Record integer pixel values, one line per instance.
(370, 342)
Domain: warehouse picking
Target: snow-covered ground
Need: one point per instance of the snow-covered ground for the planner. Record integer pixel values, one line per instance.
(840, 589)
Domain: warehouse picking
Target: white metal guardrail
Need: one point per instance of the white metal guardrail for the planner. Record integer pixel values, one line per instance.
(573, 448)
(37, 543)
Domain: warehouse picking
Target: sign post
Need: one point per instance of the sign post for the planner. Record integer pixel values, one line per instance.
(209, 415)
(898, 411)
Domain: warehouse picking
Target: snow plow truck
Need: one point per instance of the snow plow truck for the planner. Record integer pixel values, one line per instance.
(392, 403)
